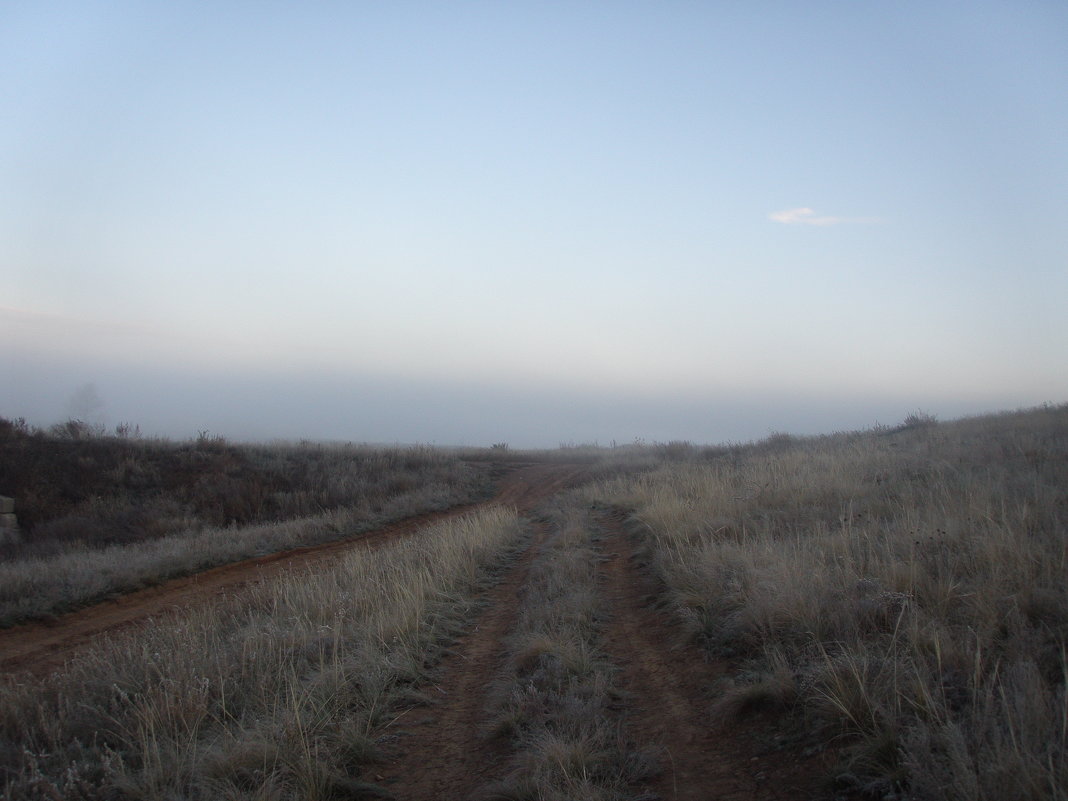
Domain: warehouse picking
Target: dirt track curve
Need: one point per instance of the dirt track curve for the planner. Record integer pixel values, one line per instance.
(40, 647)
(445, 750)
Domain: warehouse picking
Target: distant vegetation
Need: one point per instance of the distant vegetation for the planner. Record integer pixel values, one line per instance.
(73, 484)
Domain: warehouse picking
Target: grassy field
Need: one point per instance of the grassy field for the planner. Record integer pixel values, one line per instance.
(905, 589)
(896, 599)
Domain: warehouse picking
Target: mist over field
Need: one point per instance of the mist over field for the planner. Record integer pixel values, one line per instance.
(265, 405)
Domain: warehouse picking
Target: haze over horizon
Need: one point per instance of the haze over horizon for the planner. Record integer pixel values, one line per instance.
(534, 223)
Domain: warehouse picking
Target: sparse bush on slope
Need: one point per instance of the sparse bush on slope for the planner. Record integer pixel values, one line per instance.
(96, 491)
(104, 515)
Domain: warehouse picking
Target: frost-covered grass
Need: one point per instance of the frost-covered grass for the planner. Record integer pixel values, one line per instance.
(275, 695)
(906, 587)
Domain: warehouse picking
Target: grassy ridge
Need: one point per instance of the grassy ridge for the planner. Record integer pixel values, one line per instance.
(103, 515)
(907, 588)
(74, 487)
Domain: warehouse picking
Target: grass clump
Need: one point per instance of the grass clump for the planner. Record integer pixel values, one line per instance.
(906, 588)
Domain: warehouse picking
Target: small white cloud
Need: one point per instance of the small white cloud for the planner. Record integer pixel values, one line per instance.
(806, 216)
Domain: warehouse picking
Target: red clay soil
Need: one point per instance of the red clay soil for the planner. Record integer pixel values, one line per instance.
(668, 706)
(40, 647)
(443, 751)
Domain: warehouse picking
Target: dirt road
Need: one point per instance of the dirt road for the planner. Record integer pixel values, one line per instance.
(447, 749)
(40, 647)
(444, 752)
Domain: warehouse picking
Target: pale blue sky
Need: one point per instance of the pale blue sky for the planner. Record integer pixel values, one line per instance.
(536, 222)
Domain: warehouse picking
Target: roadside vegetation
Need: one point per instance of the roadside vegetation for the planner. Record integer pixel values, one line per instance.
(276, 695)
(904, 590)
(75, 485)
(103, 514)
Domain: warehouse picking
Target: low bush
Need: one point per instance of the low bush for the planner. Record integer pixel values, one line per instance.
(99, 483)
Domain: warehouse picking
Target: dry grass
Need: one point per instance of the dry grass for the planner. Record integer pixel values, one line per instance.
(94, 490)
(273, 696)
(556, 701)
(33, 587)
(106, 515)
(907, 587)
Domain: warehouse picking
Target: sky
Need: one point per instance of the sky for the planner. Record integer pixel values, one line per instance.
(531, 222)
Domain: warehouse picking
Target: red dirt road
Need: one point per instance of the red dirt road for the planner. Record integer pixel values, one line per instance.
(443, 751)
(40, 647)
(446, 750)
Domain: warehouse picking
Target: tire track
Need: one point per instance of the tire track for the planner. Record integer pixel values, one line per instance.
(668, 703)
(442, 751)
